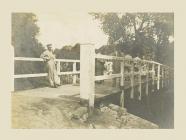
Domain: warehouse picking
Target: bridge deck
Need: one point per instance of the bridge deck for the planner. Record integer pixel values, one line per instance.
(68, 91)
(72, 92)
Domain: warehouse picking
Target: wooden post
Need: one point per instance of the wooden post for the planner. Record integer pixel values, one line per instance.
(162, 77)
(147, 81)
(158, 77)
(122, 97)
(58, 69)
(87, 74)
(139, 87)
(12, 69)
(132, 81)
(153, 75)
(168, 76)
(74, 70)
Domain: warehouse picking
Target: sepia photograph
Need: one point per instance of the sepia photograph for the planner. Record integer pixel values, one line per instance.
(92, 70)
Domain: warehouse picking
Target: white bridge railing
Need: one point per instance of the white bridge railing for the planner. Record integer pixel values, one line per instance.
(74, 72)
(151, 70)
(129, 67)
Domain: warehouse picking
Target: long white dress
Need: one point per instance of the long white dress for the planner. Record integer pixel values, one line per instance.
(49, 58)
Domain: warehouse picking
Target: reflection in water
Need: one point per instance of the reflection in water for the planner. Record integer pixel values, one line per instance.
(158, 107)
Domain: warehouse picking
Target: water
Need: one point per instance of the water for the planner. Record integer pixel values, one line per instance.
(157, 107)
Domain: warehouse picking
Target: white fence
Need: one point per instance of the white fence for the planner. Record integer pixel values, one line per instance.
(149, 69)
(73, 72)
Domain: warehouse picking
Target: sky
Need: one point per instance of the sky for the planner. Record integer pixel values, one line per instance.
(62, 29)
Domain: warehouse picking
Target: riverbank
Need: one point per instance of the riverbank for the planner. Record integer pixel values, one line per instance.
(44, 113)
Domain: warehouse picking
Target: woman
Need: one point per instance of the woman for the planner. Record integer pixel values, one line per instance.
(49, 58)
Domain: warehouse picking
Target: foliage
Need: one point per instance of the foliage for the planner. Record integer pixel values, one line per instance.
(24, 35)
(139, 34)
(68, 52)
(25, 43)
(24, 40)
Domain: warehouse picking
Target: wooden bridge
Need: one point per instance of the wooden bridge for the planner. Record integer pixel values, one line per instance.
(133, 73)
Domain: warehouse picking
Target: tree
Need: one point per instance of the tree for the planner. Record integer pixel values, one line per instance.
(25, 43)
(139, 34)
(24, 35)
(163, 30)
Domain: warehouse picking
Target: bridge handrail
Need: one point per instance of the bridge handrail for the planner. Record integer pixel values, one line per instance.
(73, 72)
(40, 59)
(100, 56)
(155, 72)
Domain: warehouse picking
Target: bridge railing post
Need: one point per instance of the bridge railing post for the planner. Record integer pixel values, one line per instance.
(122, 97)
(158, 77)
(12, 68)
(165, 75)
(168, 79)
(139, 82)
(58, 69)
(74, 70)
(87, 74)
(147, 80)
(153, 75)
(132, 81)
(162, 77)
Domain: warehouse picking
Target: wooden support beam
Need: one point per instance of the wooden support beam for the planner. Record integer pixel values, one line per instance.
(58, 67)
(168, 77)
(132, 81)
(12, 68)
(162, 77)
(122, 97)
(147, 81)
(58, 70)
(74, 70)
(158, 77)
(139, 80)
(165, 77)
(153, 76)
(87, 73)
